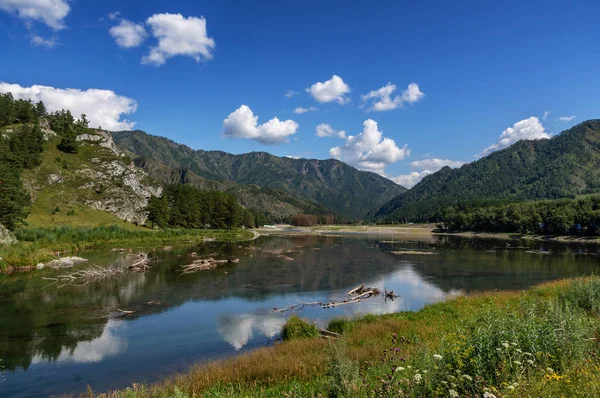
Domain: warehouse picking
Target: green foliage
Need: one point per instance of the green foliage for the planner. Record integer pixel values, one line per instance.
(555, 217)
(340, 326)
(584, 294)
(297, 328)
(14, 200)
(343, 373)
(562, 167)
(185, 206)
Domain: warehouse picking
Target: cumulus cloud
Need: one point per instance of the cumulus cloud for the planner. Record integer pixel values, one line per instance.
(178, 35)
(39, 41)
(423, 168)
(102, 107)
(325, 130)
(49, 12)
(381, 100)
(291, 93)
(300, 110)
(332, 90)
(369, 150)
(567, 118)
(527, 129)
(128, 34)
(243, 124)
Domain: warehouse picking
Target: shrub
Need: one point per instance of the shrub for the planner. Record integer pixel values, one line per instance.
(343, 373)
(340, 326)
(296, 328)
(584, 294)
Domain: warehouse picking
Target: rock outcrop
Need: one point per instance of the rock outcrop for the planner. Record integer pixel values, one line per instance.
(6, 237)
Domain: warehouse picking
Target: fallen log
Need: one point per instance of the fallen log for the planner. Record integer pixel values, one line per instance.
(206, 265)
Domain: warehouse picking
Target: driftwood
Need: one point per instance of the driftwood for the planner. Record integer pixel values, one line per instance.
(390, 295)
(206, 264)
(142, 263)
(356, 295)
(328, 334)
(82, 277)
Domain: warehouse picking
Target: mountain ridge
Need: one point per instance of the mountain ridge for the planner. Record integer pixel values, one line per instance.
(330, 183)
(565, 165)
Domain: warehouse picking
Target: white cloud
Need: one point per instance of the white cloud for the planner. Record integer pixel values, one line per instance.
(113, 16)
(325, 130)
(567, 118)
(128, 34)
(243, 124)
(546, 114)
(102, 107)
(423, 168)
(178, 35)
(369, 150)
(291, 93)
(333, 89)
(292, 157)
(49, 12)
(527, 129)
(39, 41)
(300, 110)
(382, 98)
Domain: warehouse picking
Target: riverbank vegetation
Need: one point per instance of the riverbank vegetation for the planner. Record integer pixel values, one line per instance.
(41, 244)
(549, 217)
(540, 342)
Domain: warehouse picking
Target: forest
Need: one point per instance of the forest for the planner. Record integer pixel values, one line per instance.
(550, 217)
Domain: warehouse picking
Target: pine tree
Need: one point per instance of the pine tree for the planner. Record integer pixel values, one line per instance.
(14, 200)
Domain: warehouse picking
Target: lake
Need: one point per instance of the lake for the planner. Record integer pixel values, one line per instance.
(57, 338)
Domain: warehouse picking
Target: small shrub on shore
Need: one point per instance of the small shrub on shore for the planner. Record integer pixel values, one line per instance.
(340, 326)
(296, 328)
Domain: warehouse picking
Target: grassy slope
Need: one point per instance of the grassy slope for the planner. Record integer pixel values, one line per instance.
(558, 322)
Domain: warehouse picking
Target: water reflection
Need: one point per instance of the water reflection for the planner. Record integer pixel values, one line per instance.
(180, 319)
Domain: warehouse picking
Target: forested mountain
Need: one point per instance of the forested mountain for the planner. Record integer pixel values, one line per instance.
(328, 183)
(276, 206)
(564, 166)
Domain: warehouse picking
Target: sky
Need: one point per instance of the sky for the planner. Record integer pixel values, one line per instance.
(394, 87)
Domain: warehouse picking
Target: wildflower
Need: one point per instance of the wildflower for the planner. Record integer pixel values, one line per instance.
(518, 363)
(399, 369)
(505, 345)
(467, 377)
(488, 394)
(438, 357)
(417, 378)
(409, 367)
(453, 393)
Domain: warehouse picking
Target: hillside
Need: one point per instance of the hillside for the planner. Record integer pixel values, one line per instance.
(329, 183)
(275, 205)
(564, 166)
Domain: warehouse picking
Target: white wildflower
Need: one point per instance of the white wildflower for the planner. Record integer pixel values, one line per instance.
(467, 377)
(438, 357)
(453, 393)
(488, 394)
(417, 378)
(399, 369)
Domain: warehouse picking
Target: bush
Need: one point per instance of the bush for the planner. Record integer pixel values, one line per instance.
(584, 294)
(343, 373)
(340, 326)
(296, 328)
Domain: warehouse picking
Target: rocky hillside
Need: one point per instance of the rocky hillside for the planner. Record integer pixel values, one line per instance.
(564, 166)
(328, 183)
(100, 176)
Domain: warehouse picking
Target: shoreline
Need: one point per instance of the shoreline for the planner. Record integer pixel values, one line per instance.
(418, 230)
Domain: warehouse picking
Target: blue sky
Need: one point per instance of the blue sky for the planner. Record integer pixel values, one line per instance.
(479, 68)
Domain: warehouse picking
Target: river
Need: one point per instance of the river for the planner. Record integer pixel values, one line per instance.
(58, 339)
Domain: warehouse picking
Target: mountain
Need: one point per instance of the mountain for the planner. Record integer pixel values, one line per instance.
(564, 166)
(275, 205)
(328, 183)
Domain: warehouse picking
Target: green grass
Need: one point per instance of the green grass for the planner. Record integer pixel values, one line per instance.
(296, 328)
(38, 244)
(538, 343)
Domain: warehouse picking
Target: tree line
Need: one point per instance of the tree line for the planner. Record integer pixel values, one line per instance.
(552, 217)
(307, 220)
(21, 147)
(185, 206)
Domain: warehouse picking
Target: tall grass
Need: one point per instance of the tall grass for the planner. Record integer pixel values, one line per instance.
(38, 244)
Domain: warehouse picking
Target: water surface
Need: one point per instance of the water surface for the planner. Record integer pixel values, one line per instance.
(59, 339)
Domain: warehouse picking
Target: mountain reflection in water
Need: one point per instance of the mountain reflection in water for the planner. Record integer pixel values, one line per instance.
(58, 340)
